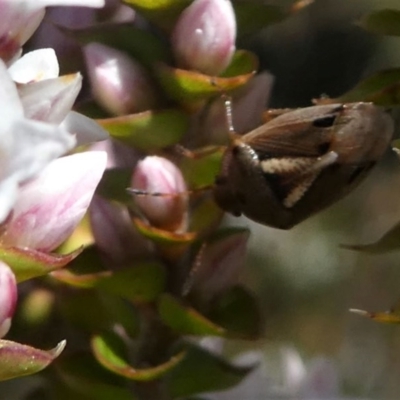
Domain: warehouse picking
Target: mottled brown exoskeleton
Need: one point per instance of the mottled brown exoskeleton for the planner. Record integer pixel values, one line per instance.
(301, 162)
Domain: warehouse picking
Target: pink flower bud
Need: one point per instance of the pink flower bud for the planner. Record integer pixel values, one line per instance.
(8, 297)
(204, 36)
(221, 264)
(121, 85)
(158, 175)
(115, 234)
(49, 207)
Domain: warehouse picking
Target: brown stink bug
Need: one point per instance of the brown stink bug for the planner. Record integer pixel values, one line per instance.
(301, 162)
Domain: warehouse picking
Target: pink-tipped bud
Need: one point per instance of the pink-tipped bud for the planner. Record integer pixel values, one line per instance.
(8, 297)
(49, 207)
(121, 85)
(158, 175)
(204, 36)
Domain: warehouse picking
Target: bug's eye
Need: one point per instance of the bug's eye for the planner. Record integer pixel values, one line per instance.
(324, 122)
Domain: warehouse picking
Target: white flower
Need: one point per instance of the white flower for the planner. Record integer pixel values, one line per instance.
(26, 146)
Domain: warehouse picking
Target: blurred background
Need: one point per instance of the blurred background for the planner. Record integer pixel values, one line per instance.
(313, 346)
(306, 281)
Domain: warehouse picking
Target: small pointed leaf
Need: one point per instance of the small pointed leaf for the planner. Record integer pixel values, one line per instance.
(17, 359)
(201, 372)
(184, 86)
(164, 237)
(28, 263)
(109, 352)
(148, 130)
(84, 271)
(184, 319)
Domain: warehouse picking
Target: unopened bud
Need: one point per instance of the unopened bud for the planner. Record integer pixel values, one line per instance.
(8, 297)
(119, 84)
(157, 175)
(204, 36)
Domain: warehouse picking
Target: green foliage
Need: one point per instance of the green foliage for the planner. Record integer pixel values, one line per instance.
(109, 351)
(201, 371)
(18, 360)
(149, 130)
(28, 263)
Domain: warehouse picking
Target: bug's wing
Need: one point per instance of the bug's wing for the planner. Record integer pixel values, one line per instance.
(297, 139)
(305, 132)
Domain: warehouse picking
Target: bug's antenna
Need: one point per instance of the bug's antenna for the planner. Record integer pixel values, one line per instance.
(228, 110)
(140, 192)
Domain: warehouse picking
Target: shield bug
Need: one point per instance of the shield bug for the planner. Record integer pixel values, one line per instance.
(301, 162)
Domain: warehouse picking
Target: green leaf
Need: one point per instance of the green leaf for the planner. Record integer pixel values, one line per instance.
(184, 319)
(163, 13)
(382, 88)
(142, 282)
(384, 22)
(238, 312)
(206, 217)
(149, 130)
(201, 371)
(243, 62)
(114, 183)
(199, 172)
(190, 86)
(164, 237)
(28, 263)
(110, 353)
(390, 241)
(84, 271)
(84, 375)
(140, 44)
(17, 359)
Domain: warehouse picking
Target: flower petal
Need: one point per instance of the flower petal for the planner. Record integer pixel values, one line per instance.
(50, 100)
(35, 66)
(49, 207)
(86, 129)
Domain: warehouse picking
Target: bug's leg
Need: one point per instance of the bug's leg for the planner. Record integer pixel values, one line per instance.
(324, 161)
(320, 163)
(315, 168)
